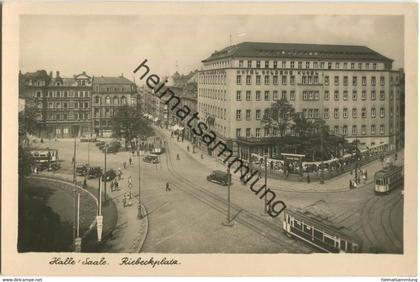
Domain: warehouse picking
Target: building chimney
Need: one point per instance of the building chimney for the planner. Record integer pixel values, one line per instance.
(51, 74)
(84, 73)
(57, 73)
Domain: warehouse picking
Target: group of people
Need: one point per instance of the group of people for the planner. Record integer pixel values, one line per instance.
(361, 175)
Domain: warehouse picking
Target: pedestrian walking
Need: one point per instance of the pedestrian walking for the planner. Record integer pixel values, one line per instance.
(116, 185)
(177, 157)
(130, 160)
(364, 178)
(202, 156)
(125, 200)
(167, 187)
(113, 185)
(124, 165)
(119, 174)
(188, 148)
(308, 178)
(350, 184)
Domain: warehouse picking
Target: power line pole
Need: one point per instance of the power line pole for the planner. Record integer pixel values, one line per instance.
(228, 222)
(106, 149)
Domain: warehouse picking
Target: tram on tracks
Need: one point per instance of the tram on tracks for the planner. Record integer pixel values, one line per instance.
(388, 178)
(319, 233)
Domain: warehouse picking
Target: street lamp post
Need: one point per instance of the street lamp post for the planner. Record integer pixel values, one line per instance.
(265, 185)
(106, 150)
(77, 241)
(139, 213)
(322, 153)
(228, 222)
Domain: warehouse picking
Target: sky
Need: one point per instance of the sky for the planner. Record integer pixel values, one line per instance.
(115, 45)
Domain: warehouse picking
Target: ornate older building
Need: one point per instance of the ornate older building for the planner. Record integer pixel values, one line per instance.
(110, 93)
(352, 88)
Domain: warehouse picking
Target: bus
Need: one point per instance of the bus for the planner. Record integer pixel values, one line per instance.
(318, 232)
(44, 157)
(388, 178)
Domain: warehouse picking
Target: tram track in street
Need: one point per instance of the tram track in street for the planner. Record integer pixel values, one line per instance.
(268, 230)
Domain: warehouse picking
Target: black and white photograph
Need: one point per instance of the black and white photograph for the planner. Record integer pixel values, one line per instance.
(206, 133)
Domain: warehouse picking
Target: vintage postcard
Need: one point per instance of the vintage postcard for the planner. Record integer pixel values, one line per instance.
(209, 139)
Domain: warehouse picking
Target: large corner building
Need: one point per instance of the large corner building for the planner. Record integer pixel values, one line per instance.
(353, 88)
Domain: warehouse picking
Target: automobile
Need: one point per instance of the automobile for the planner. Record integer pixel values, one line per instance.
(81, 170)
(151, 159)
(100, 143)
(88, 139)
(158, 151)
(54, 167)
(109, 175)
(94, 172)
(111, 149)
(219, 177)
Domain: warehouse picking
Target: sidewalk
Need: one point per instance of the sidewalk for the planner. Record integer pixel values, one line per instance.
(336, 184)
(129, 233)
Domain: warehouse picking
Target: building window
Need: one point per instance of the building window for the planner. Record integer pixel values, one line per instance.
(327, 95)
(275, 64)
(257, 114)
(336, 113)
(257, 95)
(373, 112)
(345, 80)
(364, 115)
(283, 64)
(266, 95)
(248, 114)
(336, 95)
(284, 80)
(345, 113)
(238, 114)
(364, 95)
(345, 130)
(354, 112)
(238, 96)
(241, 63)
(284, 95)
(336, 128)
(345, 95)
(374, 66)
(292, 64)
(354, 96)
(382, 81)
(238, 132)
(367, 65)
(364, 81)
(248, 132)
(257, 132)
(336, 80)
(86, 105)
(315, 65)
(258, 64)
(65, 105)
(258, 80)
(373, 129)
(248, 95)
(382, 129)
(299, 65)
(267, 64)
(326, 113)
(249, 64)
(354, 130)
(327, 80)
(354, 81)
(292, 80)
(363, 129)
(292, 95)
(307, 65)
(266, 131)
(382, 112)
(322, 65)
(248, 80)
(275, 80)
(352, 66)
(238, 80)
(382, 95)
(329, 66)
(266, 80)
(275, 95)
(373, 81)
(373, 95)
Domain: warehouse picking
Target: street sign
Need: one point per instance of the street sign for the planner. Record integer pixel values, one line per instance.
(99, 224)
(78, 245)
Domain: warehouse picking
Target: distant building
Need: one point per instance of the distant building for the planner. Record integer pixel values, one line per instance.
(352, 88)
(110, 93)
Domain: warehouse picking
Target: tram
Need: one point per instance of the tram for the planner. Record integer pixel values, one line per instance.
(44, 157)
(388, 178)
(319, 233)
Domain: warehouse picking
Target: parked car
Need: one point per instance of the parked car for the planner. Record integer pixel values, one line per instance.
(219, 177)
(81, 170)
(94, 172)
(88, 139)
(109, 175)
(54, 167)
(100, 143)
(151, 159)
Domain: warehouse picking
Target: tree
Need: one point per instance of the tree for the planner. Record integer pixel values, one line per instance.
(278, 116)
(29, 122)
(129, 123)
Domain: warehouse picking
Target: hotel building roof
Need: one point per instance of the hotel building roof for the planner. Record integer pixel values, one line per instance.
(297, 51)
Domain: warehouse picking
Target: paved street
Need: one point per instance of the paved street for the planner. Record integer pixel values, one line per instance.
(188, 218)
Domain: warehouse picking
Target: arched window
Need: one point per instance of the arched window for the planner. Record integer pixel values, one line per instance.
(107, 100)
(115, 100)
(123, 100)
